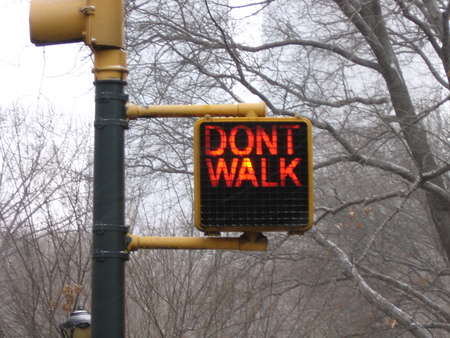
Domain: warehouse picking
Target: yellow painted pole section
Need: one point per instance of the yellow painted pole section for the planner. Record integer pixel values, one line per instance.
(110, 64)
(240, 109)
(191, 243)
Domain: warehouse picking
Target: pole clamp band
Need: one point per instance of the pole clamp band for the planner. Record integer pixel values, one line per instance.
(100, 123)
(107, 96)
(100, 228)
(100, 255)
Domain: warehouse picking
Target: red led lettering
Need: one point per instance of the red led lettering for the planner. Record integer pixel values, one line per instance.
(234, 171)
(270, 142)
(289, 171)
(223, 141)
(264, 181)
(289, 138)
(246, 172)
(250, 141)
(228, 175)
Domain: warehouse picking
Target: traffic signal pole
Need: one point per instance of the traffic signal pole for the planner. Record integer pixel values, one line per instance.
(109, 230)
(109, 256)
(100, 25)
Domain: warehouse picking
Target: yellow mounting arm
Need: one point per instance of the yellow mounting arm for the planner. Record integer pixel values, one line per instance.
(247, 242)
(237, 110)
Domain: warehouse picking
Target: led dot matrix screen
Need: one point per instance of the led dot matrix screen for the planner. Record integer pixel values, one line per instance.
(253, 174)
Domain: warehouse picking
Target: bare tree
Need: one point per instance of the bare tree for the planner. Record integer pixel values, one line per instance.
(372, 77)
(45, 204)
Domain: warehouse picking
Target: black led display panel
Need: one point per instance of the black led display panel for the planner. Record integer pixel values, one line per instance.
(253, 174)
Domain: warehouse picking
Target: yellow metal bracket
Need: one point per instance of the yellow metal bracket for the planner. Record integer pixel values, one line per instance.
(249, 241)
(236, 110)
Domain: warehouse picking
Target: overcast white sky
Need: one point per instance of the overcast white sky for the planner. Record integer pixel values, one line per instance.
(38, 77)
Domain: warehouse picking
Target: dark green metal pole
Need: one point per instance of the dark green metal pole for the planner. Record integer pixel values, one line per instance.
(109, 230)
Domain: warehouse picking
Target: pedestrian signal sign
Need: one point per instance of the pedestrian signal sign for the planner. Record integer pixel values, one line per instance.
(253, 174)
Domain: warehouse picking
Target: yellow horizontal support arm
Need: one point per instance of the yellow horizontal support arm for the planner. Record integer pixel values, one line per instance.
(237, 110)
(247, 242)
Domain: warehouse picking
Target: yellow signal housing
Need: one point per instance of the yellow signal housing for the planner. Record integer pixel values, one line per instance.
(55, 22)
(97, 23)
